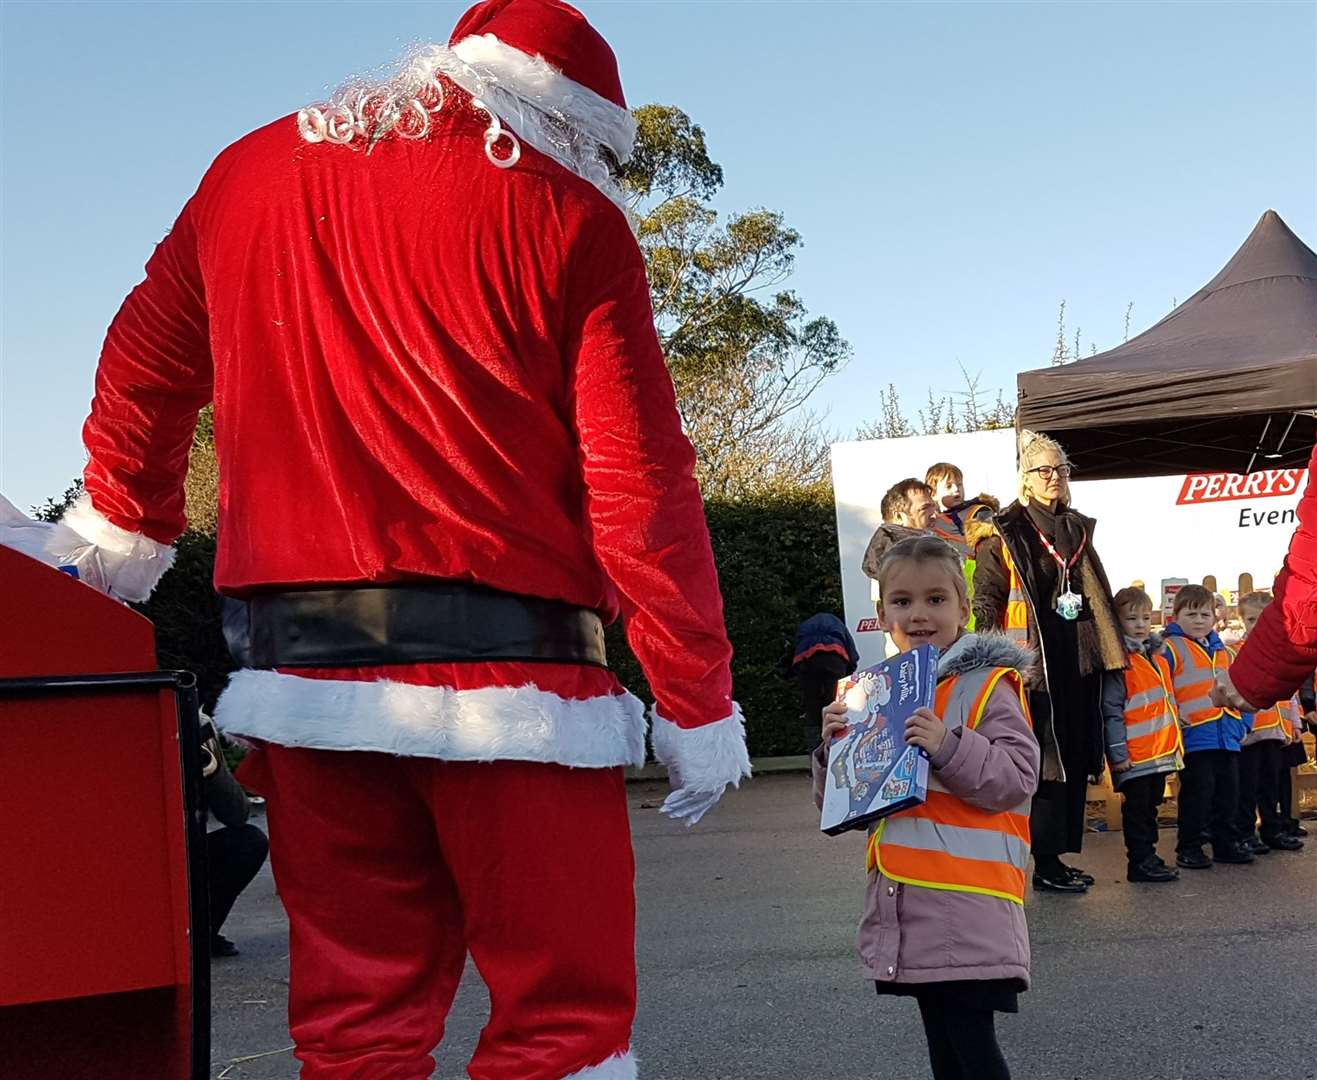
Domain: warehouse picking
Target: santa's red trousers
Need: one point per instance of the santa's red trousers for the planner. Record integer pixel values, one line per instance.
(392, 869)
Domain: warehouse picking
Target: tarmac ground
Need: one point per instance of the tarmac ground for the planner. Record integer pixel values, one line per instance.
(746, 928)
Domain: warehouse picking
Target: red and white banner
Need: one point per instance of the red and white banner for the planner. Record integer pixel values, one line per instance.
(1225, 487)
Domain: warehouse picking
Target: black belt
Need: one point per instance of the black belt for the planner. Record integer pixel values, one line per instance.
(408, 624)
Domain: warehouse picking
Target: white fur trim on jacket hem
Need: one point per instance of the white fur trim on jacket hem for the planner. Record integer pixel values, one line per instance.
(496, 723)
(133, 562)
(706, 758)
(621, 1067)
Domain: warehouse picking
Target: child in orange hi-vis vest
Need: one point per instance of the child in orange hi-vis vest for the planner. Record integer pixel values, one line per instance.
(1142, 735)
(1209, 785)
(944, 918)
(954, 511)
(1261, 763)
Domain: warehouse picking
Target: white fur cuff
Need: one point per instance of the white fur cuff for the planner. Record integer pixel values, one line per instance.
(621, 1067)
(706, 758)
(133, 562)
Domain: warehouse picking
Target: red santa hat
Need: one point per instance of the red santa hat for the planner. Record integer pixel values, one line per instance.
(536, 66)
(553, 30)
(546, 54)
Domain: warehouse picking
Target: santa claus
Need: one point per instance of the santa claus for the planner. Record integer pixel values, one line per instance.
(449, 454)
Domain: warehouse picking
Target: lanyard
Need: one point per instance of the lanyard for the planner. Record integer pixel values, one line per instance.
(1068, 604)
(1065, 565)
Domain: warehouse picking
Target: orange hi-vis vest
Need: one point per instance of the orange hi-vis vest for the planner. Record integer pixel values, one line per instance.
(1275, 717)
(946, 843)
(945, 529)
(1017, 604)
(1195, 672)
(1151, 729)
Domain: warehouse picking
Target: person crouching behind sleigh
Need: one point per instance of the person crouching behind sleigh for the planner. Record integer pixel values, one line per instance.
(944, 916)
(1142, 734)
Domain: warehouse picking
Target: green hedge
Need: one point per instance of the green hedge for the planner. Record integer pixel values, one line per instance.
(186, 614)
(777, 564)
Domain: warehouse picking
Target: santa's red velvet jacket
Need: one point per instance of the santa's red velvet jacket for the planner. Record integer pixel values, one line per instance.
(422, 367)
(1281, 652)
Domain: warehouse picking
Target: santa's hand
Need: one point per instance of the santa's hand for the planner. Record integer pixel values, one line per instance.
(702, 762)
(130, 564)
(1225, 696)
(689, 805)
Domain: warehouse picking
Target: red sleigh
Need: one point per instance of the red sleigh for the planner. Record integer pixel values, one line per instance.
(104, 969)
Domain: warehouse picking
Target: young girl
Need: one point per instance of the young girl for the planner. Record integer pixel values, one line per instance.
(944, 915)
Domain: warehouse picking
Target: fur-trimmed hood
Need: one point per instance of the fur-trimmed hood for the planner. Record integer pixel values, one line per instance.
(973, 651)
(977, 530)
(883, 538)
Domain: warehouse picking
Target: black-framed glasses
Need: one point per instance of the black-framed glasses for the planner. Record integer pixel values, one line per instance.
(1045, 471)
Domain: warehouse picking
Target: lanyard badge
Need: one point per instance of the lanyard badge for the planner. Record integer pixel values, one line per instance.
(1069, 603)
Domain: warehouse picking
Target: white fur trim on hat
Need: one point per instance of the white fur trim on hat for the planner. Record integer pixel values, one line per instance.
(558, 116)
(133, 562)
(621, 1067)
(503, 72)
(497, 723)
(705, 758)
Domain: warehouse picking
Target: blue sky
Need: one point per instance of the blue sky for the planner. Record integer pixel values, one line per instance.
(956, 169)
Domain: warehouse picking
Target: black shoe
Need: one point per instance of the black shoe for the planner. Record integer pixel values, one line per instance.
(1257, 845)
(1233, 853)
(1062, 883)
(1286, 843)
(1152, 869)
(1076, 874)
(222, 946)
(1193, 860)
(1296, 830)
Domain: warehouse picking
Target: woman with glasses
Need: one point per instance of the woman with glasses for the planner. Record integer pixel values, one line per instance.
(1039, 580)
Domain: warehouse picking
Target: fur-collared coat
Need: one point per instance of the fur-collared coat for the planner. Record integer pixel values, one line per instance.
(1100, 641)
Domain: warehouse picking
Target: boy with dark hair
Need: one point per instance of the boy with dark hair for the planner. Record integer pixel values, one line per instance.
(1209, 785)
(910, 503)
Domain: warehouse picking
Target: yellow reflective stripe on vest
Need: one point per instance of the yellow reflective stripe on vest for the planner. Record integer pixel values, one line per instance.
(1151, 730)
(1017, 604)
(1269, 718)
(1195, 673)
(946, 843)
(981, 702)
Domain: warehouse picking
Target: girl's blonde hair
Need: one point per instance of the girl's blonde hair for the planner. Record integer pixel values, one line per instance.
(1033, 446)
(923, 549)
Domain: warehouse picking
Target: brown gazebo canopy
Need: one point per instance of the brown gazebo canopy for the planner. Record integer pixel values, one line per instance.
(1227, 382)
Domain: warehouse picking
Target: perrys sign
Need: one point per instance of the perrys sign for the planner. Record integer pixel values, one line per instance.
(1148, 529)
(1229, 487)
